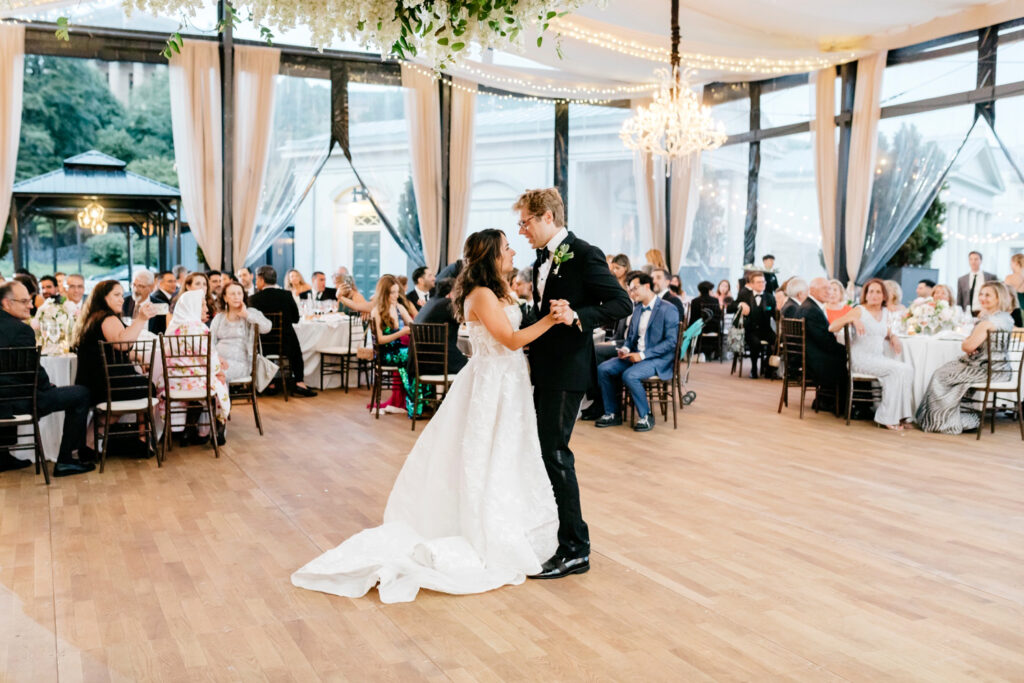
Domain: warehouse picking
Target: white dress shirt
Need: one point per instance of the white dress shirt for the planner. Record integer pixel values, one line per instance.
(545, 268)
(423, 296)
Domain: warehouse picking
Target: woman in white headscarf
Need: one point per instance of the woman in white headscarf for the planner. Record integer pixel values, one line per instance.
(188, 320)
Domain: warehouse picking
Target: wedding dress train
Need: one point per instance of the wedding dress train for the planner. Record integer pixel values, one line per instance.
(472, 508)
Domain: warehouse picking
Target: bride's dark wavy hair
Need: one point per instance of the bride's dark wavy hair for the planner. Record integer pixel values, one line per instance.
(481, 258)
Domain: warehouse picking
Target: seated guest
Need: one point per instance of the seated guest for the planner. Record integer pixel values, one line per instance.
(758, 310)
(272, 299)
(825, 359)
(195, 282)
(656, 260)
(649, 351)
(350, 300)
(836, 306)
(320, 291)
(619, 265)
(660, 285)
(439, 310)
(244, 276)
(215, 279)
(74, 284)
(924, 289)
(101, 321)
(895, 303)
(423, 282)
(706, 307)
(522, 285)
(940, 409)
(232, 331)
(452, 270)
(295, 284)
(73, 401)
(871, 321)
(28, 280)
(143, 284)
(61, 278)
(49, 290)
(390, 322)
(676, 286)
(942, 293)
(166, 286)
(180, 273)
(188, 319)
(796, 294)
(724, 294)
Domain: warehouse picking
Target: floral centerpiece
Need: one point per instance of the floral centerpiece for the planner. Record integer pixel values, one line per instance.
(53, 328)
(929, 317)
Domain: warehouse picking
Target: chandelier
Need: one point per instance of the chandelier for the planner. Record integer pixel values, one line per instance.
(91, 218)
(675, 124)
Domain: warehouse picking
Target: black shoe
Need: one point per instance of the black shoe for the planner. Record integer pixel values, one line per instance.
(222, 435)
(591, 414)
(608, 421)
(557, 567)
(644, 424)
(8, 462)
(753, 374)
(302, 391)
(66, 469)
(86, 454)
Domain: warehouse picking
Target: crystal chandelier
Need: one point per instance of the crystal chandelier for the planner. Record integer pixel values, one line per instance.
(91, 218)
(675, 124)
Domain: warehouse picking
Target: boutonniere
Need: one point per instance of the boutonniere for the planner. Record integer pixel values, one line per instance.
(561, 255)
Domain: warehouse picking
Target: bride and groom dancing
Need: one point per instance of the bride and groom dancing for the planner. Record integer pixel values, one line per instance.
(488, 495)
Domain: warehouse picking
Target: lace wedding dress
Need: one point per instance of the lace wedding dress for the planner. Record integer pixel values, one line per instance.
(472, 508)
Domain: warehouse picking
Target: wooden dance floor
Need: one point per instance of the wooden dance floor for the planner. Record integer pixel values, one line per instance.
(746, 545)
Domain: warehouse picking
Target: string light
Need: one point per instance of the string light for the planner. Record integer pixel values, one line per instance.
(694, 60)
(597, 90)
(435, 76)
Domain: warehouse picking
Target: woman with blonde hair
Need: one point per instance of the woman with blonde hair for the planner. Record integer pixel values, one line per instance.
(294, 283)
(1015, 280)
(836, 306)
(656, 259)
(895, 303)
(942, 292)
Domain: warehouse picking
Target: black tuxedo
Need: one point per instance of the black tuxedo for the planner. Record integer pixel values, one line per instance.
(791, 309)
(329, 294)
(825, 357)
(757, 326)
(771, 283)
(562, 367)
(158, 323)
(276, 300)
(439, 310)
(72, 400)
(414, 299)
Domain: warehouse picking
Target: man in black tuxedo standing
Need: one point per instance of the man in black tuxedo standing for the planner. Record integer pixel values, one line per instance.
(771, 282)
(270, 298)
(825, 356)
(567, 269)
(163, 294)
(439, 310)
(320, 291)
(758, 309)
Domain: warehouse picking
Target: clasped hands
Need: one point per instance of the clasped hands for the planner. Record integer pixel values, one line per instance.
(561, 311)
(624, 354)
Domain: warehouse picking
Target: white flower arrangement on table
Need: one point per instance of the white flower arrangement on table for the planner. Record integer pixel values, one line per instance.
(53, 328)
(929, 317)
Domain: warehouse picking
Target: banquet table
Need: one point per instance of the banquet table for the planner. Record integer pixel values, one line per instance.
(926, 354)
(61, 370)
(320, 333)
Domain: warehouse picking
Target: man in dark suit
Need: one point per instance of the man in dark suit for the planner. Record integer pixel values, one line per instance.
(968, 287)
(825, 357)
(796, 293)
(758, 309)
(660, 280)
(268, 299)
(570, 279)
(649, 350)
(16, 303)
(143, 284)
(422, 283)
(439, 310)
(320, 291)
(163, 294)
(771, 283)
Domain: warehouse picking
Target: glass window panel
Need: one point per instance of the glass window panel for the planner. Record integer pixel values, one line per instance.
(786, 106)
(716, 246)
(930, 78)
(734, 113)
(787, 208)
(1010, 59)
(513, 150)
(111, 14)
(602, 201)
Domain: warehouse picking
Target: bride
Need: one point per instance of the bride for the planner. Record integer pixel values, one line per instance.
(472, 508)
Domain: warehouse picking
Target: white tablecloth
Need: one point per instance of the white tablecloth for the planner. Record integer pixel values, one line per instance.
(318, 334)
(926, 354)
(61, 370)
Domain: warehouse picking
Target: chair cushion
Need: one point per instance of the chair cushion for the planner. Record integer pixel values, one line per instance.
(436, 378)
(862, 377)
(241, 380)
(195, 394)
(132, 406)
(335, 351)
(17, 419)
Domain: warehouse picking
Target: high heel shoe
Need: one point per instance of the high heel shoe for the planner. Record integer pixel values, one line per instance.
(894, 428)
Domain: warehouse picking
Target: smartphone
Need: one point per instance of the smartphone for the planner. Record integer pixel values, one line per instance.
(162, 309)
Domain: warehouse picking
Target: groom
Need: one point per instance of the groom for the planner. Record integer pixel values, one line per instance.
(569, 270)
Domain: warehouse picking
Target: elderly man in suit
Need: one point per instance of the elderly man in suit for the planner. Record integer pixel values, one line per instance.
(320, 291)
(968, 287)
(796, 293)
(166, 285)
(649, 351)
(825, 356)
(272, 299)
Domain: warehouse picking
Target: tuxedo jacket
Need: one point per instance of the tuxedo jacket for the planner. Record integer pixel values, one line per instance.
(562, 359)
(15, 333)
(791, 309)
(440, 310)
(276, 300)
(963, 288)
(329, 294)
(771, 283)
(660, 339)
(158, 323)
(759, 320)
(414, 299)
(825, 357)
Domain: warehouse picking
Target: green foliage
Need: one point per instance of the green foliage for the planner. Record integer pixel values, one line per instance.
(117, 142)
(109, 250)
(924, 241)
(160, 169)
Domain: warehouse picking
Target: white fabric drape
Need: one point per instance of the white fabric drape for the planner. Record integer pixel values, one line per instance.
(196, 125)
(255, 75)
(12, 75)
(686, 179)
(423, 120)
(826, 169)
(649, 181)
(460, 169)
(863, 147)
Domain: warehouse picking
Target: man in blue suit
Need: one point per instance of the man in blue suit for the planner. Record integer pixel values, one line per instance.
(649, 350)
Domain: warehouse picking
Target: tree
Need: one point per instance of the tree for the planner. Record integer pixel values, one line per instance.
(109, 250)
(924, 241)
(160, 169)
(116, 142)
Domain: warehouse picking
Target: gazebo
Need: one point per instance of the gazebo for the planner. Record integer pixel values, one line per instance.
(94, 178)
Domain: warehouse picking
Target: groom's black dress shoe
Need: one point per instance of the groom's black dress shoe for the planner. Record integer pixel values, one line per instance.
(558, 567)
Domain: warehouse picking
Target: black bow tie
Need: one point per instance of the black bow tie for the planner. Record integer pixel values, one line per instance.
(543, 255)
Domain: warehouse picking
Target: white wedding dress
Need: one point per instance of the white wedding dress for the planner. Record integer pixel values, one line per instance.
(472, 508)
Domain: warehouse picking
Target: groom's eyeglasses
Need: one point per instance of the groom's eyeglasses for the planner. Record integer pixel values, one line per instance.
(523, 224)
